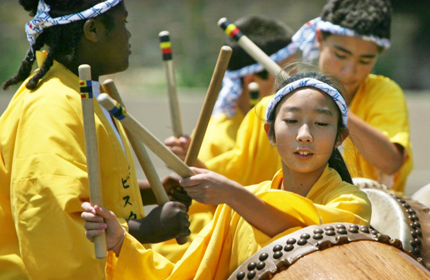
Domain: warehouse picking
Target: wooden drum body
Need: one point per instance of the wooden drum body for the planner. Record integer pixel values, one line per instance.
(333, 251)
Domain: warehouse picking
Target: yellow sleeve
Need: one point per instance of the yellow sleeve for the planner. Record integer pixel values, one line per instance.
(338, 207)
(253, 159)
(136, 262)
(220, 135)
(46, 193)
(381, 103)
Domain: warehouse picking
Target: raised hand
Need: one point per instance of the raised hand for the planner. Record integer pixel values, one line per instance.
(178, 146)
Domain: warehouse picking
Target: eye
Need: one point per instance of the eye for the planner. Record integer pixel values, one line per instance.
(290, 121)
(321, 124)
(365, 62)
(338, 55)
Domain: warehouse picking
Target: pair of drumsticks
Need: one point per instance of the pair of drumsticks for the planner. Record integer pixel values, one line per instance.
(137, 133)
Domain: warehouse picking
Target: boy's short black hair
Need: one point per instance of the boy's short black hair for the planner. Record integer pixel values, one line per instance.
(366, 17)
(62, 39)
(268, 34)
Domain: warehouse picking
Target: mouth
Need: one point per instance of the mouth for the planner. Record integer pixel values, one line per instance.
(303, 153)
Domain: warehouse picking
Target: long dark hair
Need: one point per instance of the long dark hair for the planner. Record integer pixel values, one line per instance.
(62, 39)
(336, 160)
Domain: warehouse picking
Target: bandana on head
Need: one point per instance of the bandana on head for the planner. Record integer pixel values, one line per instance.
(313, 83)
(305, 38)
(43, 20)
(232, 85)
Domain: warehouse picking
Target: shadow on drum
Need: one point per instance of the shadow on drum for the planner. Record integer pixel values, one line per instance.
(333, 251)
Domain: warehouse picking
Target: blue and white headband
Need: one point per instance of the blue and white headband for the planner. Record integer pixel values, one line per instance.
(305, 37)
(43, 20)
(232, 85)
(312, 83)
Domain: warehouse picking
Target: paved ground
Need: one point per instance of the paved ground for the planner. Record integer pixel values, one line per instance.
(152, 111)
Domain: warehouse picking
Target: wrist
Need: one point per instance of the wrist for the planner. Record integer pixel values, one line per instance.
(117, 248)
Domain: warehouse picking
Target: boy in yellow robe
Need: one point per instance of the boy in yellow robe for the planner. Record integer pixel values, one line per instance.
(348, 37)
(306, 120)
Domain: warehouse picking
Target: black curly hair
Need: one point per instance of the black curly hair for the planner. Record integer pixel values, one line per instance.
(336, 160)
(62, 40)
(268, 34)
(365, 17)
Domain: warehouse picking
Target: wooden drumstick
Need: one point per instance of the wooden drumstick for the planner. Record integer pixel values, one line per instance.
(252, 49)
(208, 105)
(129, 122)
(91, 150)
(166, 50)
(142, 156)
(254, 93)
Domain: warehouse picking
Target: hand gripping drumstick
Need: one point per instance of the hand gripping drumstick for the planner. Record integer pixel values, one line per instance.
(142, 156)
(208, 105)
(91, 150)
(129, 122)
(252, 49)
(166, 50)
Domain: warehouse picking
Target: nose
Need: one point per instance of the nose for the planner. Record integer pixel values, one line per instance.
(349, 70)
(304, 134)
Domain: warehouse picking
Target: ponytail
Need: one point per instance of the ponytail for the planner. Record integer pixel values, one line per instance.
(337, 163)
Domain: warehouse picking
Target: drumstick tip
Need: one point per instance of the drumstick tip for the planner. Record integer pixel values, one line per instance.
(226, 49)
(222, 21)
(164, 33)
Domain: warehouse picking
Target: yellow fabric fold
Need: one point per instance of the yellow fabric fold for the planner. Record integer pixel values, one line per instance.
(228, 240)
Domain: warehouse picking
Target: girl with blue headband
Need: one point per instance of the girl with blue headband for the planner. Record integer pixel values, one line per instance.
(347, 39)
(43, 172)
(306, 121)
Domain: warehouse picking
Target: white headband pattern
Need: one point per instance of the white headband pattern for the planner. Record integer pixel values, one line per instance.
(305, 37)
(313, 83)
(232, 85)
(43, 20)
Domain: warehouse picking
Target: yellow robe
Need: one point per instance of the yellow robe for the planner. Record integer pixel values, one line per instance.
(220, 137)
(379, 101)
(228, 240)
(43, 181)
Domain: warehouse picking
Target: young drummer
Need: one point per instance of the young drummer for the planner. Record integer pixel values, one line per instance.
(348, 38)
(43, 172)
(233, 103)
(306, 120)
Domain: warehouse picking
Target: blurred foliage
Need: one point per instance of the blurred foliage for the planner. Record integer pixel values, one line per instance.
(196, 38)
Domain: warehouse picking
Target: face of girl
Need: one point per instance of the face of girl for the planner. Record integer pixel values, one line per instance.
(349, 59)
(305, 129)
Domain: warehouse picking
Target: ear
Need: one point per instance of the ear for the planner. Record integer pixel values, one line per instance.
(342, 136)
(267, 128)
(319, 39)
(92, 30)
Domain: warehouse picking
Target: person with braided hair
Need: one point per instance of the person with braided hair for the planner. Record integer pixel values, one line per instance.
(43, 172)
(347, 40)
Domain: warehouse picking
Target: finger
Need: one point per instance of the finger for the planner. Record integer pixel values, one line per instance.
(108, 215)
(90, 234)
(192, 181)
(89, 217)
(171, 141)
(180, 206)
(199, 170)
(95, 226)
(87, 207)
